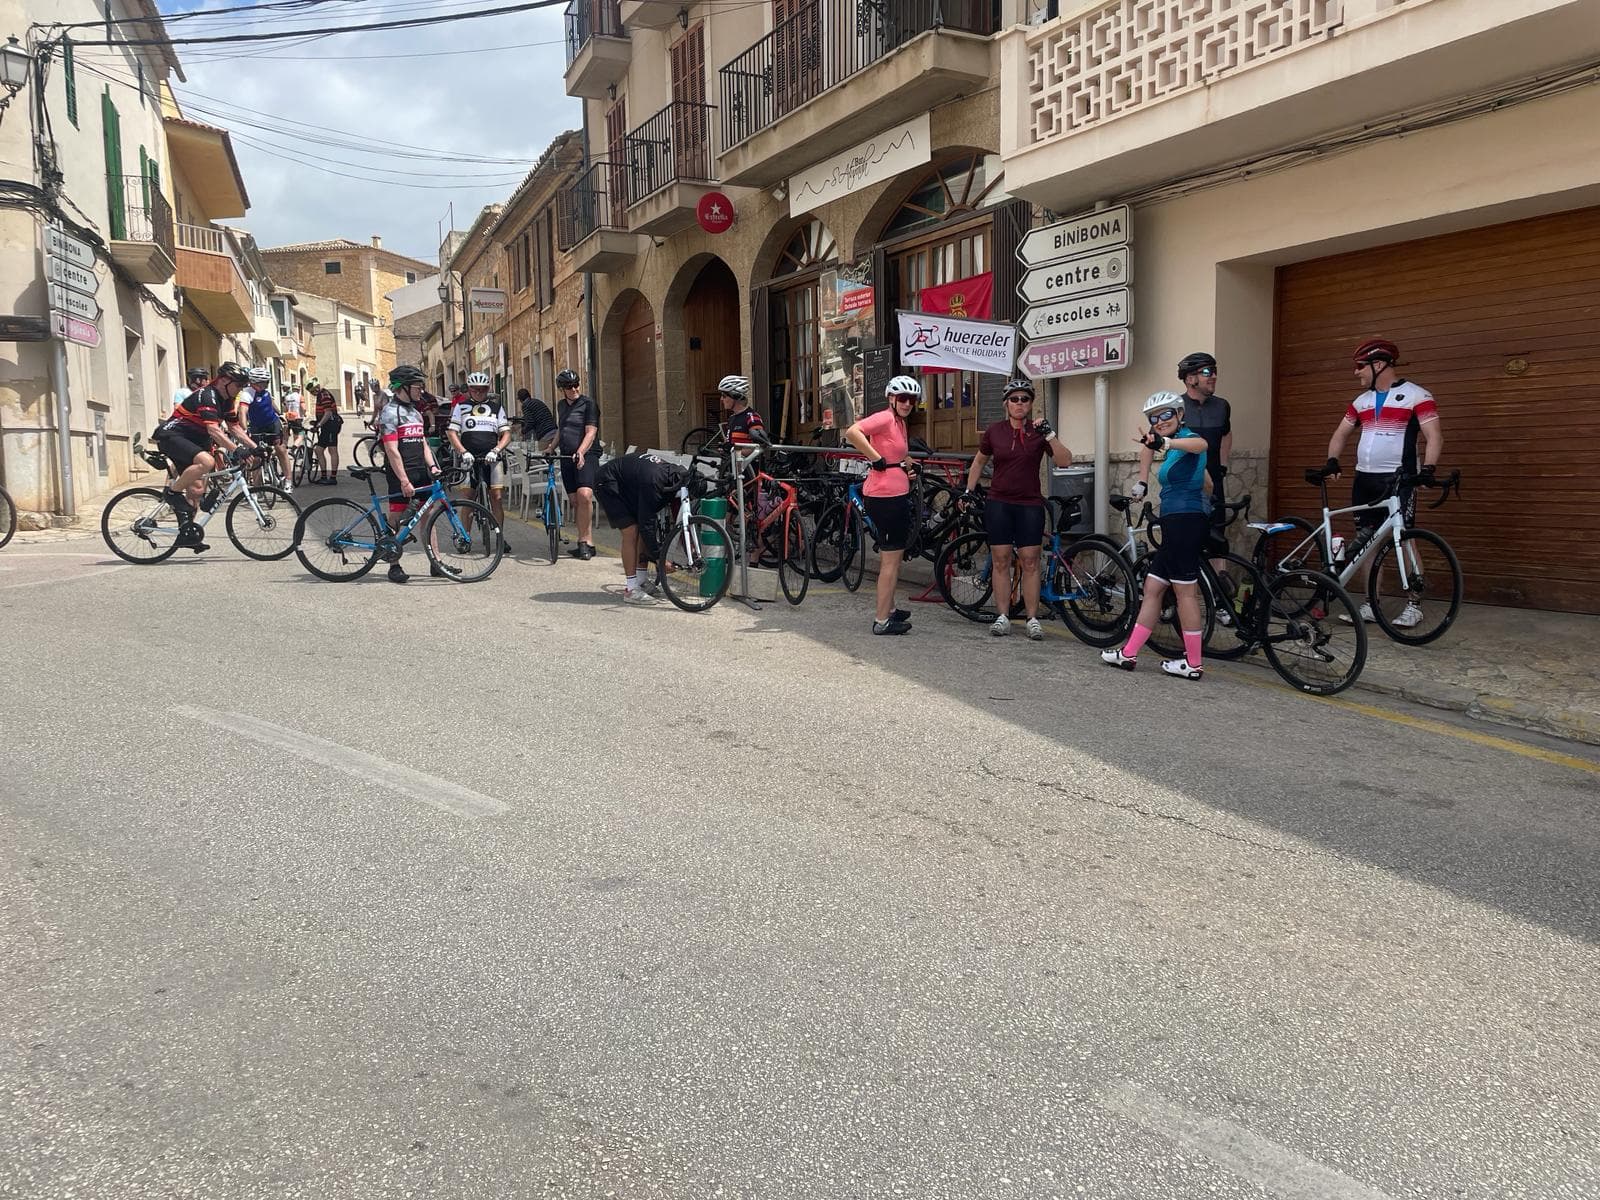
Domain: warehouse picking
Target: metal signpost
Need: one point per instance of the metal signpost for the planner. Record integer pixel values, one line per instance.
(1078, 288)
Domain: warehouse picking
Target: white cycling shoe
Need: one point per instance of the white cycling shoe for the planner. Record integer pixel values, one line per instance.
(1181, 668)
(1001, 626)
(1410, 617)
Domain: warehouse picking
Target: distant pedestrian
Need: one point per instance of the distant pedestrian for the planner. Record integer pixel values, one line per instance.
(196, 379)
(536, 419)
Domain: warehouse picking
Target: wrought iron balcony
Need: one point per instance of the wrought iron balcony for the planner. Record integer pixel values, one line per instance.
(597, 47)
(592, 221)
(673, 146)
(824, 44)
(142, 230)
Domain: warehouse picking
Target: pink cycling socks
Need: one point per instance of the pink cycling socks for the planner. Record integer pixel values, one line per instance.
(1191, 647)
(1136, 641)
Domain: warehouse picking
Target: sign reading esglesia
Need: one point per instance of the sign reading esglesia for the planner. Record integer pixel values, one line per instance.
(1080, 302)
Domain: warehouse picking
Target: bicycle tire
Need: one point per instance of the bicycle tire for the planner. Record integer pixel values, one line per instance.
(297, 469)
(696, 439)
(1380, 609)
(828, 546)
(963, 574)
(1237, 625)
(151, 517)
(1097, 599)
(794, 574)
(688, 549)
(472, 555)
(283, 523)
(854, 569)
(1167, 635)
(1311, 609)
(553, 531)
(8, 517)
(369, 452)
(326, 529)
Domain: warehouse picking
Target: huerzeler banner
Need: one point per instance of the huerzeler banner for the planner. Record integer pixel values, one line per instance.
(931, 340)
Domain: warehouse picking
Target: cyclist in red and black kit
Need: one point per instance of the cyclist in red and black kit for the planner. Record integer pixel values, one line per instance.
(743, 422)
(407, 459)
(208, 416)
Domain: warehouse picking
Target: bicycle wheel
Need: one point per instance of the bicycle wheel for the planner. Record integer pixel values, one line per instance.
(1167, 635)
(552, 528)
(1288, 550)
(854, 566)
(140, 527)
(336, 539)
(794, 575)
(963, 573)
(831, 546)
(297, 467)
(694, 565)
(1093, 588)
(1312, 635)
(1416, 594)
(696, 438)
(464, 541)
(270, 536)
(369, 452)
(8, 516)
(1235, 630)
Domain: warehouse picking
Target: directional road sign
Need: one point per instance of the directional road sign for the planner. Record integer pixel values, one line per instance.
(1103, 310)
(64, 246)
(74, 304)
(1100, 350)
(1075, 277)
(69, 276)
(85, 333)
(1102, 230)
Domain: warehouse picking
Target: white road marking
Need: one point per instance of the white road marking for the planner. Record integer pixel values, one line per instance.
(369, 768)
(11, 554)
(1249, 1155)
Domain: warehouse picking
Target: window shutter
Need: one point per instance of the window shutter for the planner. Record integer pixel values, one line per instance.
(69, 76)
(112, 128)
(761, 349)
(1011, 224)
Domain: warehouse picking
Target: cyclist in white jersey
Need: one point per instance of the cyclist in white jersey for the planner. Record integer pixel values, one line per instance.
(1393, 414)
(479, 430)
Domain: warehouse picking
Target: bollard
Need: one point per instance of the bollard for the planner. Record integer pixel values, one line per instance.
(716, 551)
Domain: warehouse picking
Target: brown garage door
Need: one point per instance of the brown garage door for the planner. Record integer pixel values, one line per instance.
(639, 425)
(1502, 325)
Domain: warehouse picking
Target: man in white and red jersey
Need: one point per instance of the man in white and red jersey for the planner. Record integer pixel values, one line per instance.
(1393, 414)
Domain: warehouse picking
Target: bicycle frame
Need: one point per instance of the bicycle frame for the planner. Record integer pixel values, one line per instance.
(392, 538)
(1391, 528)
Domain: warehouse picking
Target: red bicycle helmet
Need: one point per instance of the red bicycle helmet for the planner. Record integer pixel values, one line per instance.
(1376, 348)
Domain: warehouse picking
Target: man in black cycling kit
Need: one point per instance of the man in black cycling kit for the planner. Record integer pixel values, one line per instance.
(206, 417)
(632, 489)
(579, 420)
(1208, 415)
(407, 459)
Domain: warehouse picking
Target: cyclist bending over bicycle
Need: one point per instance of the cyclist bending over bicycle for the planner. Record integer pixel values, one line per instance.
(632, 489)
(1185, 522)
(1014, 513)
(885, 439)
(479, 431)
(407, 459)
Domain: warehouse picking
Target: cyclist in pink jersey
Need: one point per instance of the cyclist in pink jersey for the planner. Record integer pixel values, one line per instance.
(885, 441)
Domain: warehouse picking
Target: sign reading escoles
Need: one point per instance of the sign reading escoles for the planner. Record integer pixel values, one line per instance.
(714, 212)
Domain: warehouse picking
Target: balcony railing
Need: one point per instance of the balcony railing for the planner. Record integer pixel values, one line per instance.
(589, 204)
(673, 145)
(588, 19)
(205, 239)
(146, 215)
(824, 44)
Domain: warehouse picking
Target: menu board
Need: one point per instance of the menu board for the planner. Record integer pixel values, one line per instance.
(877, 368)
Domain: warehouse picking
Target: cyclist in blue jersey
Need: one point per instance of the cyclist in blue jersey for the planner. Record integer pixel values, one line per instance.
(1185, 521)
(266, 421)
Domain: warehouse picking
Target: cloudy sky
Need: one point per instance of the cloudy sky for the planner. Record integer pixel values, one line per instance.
(407, 112)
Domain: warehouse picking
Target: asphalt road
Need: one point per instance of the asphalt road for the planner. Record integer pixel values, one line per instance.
(317, 890)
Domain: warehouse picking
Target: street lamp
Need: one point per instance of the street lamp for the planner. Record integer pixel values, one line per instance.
(15, 62)
(444, 293)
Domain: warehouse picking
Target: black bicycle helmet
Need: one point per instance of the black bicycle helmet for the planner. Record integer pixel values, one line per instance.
(568, 378)
(197, 375)
(233, 371)
(1020, 384)
(404, 375)
(1198, 361)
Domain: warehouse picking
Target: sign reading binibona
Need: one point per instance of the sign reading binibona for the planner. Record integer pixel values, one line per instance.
(1079, 235)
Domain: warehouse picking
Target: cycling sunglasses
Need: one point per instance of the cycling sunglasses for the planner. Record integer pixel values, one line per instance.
(1165, 414)
(1208, 372)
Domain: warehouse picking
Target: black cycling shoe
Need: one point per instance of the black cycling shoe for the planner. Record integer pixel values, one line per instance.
(892, 626)
(901, 614)
(191, 537)
(397, 574)
(440, 571)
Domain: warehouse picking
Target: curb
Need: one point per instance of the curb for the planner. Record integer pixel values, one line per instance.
(1573, 724)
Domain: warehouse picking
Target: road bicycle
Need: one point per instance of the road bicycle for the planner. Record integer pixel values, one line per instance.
(693, 566)
(340, 540)
(1414, 581)
(303, 458)
(8, 517)
(140, 526)
(482, 493)
(775, 533)
(551, 506)
(839, 547)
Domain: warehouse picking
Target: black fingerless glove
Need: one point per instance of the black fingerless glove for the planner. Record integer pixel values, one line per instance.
(879, 464)
(1044, 429)
(1331, 467)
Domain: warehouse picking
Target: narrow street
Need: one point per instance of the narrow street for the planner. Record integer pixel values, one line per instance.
(508, 891)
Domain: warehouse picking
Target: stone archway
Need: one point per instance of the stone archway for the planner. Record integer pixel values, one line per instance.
(631, 412)
(704, 340)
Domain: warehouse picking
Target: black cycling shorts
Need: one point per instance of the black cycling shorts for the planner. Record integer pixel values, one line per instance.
(1373, 488)
(573, 476)
(421, 479)
(624, 508)
(328, 436)
(891, 516)
(269, 436)
(1008, 524)
(1183, 540)
(180, 448)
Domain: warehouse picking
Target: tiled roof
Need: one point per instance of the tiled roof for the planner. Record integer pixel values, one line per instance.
(331, 244)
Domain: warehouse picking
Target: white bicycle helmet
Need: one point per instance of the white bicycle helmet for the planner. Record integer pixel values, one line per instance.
(736, 386)
(260, 375)
(478, 379)
(903, 385)
(1162, 400)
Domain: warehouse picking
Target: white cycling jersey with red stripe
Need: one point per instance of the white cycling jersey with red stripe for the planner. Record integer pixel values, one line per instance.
(1389, 423)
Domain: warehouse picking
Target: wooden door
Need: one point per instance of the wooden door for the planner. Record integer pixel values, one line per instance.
(616, 151)
(1502, 325)
(796, 360)
(711, 327)
(640, 425)
(690, 145)
(797, 53)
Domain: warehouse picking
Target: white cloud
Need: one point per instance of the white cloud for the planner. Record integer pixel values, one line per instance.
(504, 103)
